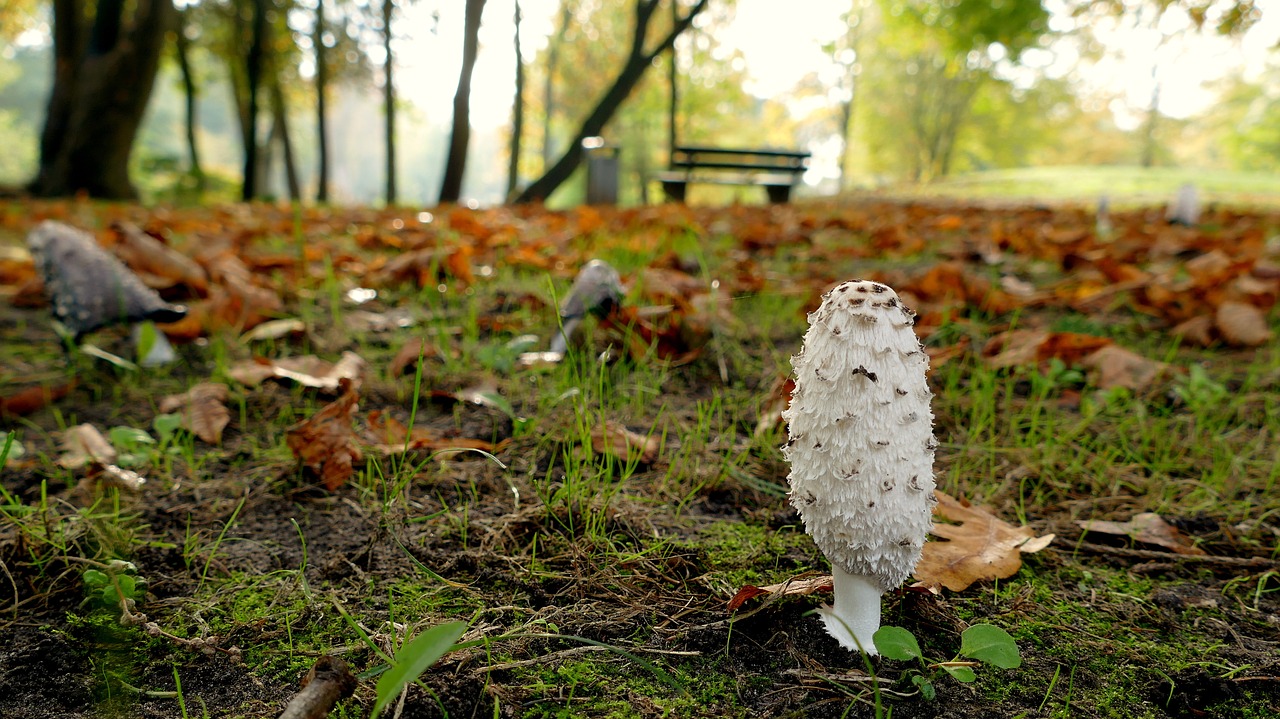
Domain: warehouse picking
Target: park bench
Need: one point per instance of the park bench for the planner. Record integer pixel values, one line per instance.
(777, 171)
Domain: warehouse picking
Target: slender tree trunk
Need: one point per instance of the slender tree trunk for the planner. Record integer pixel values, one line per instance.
(517, 113)
(389, 100)
(456, 164)
(638, 60)
(1149, 143)
(286, 144)
(549, 84)
(322, 84)
(254, 62)
(182, 45)
(92, 117)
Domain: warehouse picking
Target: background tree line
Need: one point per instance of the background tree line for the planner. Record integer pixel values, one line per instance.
(913, 90)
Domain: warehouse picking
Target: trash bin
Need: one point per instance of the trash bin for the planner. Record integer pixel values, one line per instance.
(602, 171)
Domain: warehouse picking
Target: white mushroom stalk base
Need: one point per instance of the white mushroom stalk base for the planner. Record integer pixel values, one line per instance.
(855, 616)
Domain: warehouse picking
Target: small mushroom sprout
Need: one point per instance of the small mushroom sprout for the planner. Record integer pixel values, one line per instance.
(861, 449)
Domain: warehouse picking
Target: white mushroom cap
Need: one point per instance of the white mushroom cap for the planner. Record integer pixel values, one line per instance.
(861, 434)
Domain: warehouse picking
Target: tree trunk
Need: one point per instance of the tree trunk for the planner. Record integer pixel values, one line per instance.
(548, 87)
(456, 164)
(92, 117)
(286, 145)
(517, 114)
(182, 45)
(253, 71)
(638, 60)
(322, 83)
(389, 100)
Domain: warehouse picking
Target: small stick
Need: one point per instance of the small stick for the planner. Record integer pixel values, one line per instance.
(327, 682)
(1252, 562)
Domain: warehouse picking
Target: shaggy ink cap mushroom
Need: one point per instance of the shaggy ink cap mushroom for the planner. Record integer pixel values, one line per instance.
(88, 287)
(861, 449)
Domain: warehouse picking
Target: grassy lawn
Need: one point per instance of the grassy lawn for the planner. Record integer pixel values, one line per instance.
(1125, 185)
(593, 573)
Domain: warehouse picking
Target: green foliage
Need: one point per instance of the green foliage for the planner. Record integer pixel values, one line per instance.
(979, 644)
(115, 588)
(414, 658)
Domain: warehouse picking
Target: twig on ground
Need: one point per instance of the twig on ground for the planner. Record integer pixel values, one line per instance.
(328, 681)
(1249, 562)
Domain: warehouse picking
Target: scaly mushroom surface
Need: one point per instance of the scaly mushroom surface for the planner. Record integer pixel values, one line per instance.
(861, 449)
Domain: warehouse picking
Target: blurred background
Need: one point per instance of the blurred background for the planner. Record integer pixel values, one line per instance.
(1054, 98)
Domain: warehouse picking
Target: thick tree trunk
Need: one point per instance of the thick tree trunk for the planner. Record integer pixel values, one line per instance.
(92, 117)
(253, 71)
(456, 164)
(517, 114)
(389, 100)
(182, 46)
(322, 83)
(286, 145)
(638, 61)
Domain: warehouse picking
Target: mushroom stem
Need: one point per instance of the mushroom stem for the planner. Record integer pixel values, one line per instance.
(855, 616)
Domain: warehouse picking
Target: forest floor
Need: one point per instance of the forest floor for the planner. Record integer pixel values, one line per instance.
(589, 520)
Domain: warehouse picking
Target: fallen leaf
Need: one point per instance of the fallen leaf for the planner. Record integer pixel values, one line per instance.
(1118, 367)
(1242, 325)
(32, 399)
(980, 546)
(325, 443)
(204, 410)
(407, 358)
(274, 330)
(1145, 528)
(1197, 330)
(795, 586)
(1026, 347)
(307, 370)
(390, 436)
(150, 256)
(616, 440)
(82, 445)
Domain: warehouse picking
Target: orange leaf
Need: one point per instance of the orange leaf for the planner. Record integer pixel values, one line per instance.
(326, 442)
(32, 399)
(980, 546)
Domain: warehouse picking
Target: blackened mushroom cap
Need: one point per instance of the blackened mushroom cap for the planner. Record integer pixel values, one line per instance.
(88, 288)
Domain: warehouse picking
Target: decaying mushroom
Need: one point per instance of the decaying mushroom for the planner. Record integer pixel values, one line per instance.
(861, 449)
(89, 288)
(596, 289)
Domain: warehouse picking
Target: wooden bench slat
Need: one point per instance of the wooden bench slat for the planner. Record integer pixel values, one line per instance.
(778, 171)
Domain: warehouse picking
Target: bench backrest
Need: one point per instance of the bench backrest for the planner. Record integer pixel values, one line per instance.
(689, 158)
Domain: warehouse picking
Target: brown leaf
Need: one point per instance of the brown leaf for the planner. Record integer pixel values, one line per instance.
(149, 255)
(1197, 330)
(390, 436)
(616, 440)
(82, 445)
(1026, 347)
(795, 586)
(1242, 325)
(1119, 367)
(1145, 528)
(326, 442)
(307, 370)
(204, 410)
(980, 546)
(274, 330)
(32, 399)
(407, 358)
